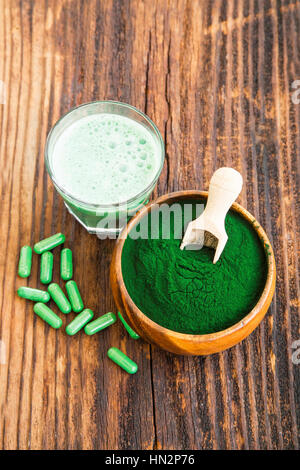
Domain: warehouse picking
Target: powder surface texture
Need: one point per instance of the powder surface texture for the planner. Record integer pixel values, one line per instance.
(184, 291)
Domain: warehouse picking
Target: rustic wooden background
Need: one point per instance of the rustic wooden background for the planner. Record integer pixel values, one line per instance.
(216, 76)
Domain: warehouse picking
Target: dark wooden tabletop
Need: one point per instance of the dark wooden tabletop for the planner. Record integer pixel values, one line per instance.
(217, 78)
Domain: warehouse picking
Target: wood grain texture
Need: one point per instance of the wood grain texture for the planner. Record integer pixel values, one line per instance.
(216, 77)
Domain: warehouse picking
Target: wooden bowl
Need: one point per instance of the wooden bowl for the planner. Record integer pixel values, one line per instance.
(181, 343)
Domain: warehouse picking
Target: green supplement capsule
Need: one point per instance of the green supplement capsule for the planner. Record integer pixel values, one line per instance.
(47, 315)
(49, 243)
(74, 296)
(100, 323)
(122, 360)
(59, 298)
(25, 260)
(36, 295)
(46, 267)
(66, 264)
(79, 321)
(129, 330)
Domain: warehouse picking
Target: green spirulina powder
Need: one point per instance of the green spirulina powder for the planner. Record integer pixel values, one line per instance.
(183, 290)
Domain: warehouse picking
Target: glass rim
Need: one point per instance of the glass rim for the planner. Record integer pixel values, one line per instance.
(120, 203)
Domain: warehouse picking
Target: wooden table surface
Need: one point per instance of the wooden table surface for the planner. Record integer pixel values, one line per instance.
(217, 78)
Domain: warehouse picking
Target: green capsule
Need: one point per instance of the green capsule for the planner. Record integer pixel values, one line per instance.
(33, 294)
(46, 267)
(59, 298)
(79, 321)
(49, 243)
(100, 323)
(122, 360)
(25, 261)
(74, 296)
(66, 264)
(47, 315)
(130, 331)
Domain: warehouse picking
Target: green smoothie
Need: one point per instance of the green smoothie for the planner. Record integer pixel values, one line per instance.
(105, 159)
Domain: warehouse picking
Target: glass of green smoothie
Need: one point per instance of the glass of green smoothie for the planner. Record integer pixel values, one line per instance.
(104, 158)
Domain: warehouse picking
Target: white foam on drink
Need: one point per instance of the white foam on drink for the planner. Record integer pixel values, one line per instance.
(105, 159)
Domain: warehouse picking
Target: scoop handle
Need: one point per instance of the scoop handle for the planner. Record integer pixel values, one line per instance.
(225, 186)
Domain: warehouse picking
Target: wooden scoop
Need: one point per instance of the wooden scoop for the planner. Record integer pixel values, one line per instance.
(209, 229)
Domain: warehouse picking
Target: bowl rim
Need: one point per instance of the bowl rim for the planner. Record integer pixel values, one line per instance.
(208, 337)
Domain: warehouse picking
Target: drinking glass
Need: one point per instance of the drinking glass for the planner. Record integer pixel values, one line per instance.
(105, 220)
